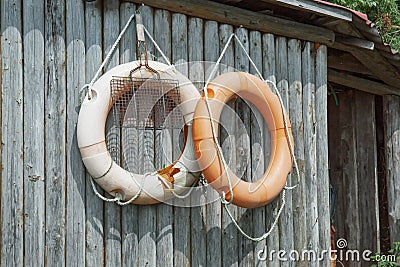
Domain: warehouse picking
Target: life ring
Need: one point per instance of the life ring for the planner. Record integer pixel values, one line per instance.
(220, 91)
(97, 160)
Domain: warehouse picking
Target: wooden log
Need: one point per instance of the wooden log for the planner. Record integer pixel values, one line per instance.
(112, 212)
(309, 116)
(347, 220)
(76, 180)
(198, 231)
(391, 112)
(271, 210)
(229, 241)
(243, 153)
(321, 115)
(129, 213)
(241, 17)
(165, 219)
(315, 8)
(181, 234)
(367, 171)
(12, 172)
(286, 219)
(34, 186)
(94, 205)
(55, 101)
(362, 84)
(258, 166)
(147, 213)
(297, 123)
(212, 215)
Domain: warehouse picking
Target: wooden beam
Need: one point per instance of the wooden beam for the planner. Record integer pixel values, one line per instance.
(240, 17)
(343, 42)
(346, 62)
(315, 8)
(361, 83)
(375, 62)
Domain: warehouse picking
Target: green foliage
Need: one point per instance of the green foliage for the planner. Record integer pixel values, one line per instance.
(384, 13)
(385, 260)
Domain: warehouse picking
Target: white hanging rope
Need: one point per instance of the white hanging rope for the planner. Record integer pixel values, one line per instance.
(89, 86)
(157, 47)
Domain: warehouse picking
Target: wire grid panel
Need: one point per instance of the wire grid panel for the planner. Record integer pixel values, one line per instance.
(146, 103)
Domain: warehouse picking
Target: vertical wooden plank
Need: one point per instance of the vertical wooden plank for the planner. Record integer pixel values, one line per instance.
(271, 210)
(212, 214)
(196, 74)
(94, 205)
(346, 183)
(130, 214)
(34, 197)
(182, 227)
(321, 111)
(230, 240)
(391, 113)
(243, 158)
(165, 215)
(148, 213)
(257, 147)
(75, 211)
(286, 220)
(112, 212)
(12, 173)
(367, 171)
(55, 102)
(308, 78)
(296, 120)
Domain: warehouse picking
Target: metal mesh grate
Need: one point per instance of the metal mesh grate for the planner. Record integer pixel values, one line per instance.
(146, 103)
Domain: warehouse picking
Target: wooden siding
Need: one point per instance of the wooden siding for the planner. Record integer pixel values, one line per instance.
(49, 214)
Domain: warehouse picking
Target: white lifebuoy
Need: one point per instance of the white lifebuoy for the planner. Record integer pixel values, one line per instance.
(109, 175)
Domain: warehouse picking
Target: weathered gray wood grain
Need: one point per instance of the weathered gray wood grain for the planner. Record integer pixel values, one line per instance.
(34, 185)
(243, 152)
(94, 205)
(321, 111)
(257, 146)
(75, 210)
(212, 216)
(391, 105)
(346, 183)
(181, 234)
(112, 212)
(55, 108)
(367, 171)
(129, 213)
(12, 173)
(296, 120)
(271, 210)
(308, 78)
(147, 213)
(165, 215)
(229, 241)
(286, 219)
(198, 215)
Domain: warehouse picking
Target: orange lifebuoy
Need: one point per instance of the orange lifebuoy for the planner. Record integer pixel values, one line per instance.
(249, 87)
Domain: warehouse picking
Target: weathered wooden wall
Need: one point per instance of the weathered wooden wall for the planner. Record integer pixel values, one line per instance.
(353, 169)
(49, 214)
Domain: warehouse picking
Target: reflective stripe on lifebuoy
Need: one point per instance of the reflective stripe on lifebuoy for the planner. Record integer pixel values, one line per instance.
(97, 159)
(249, 87)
